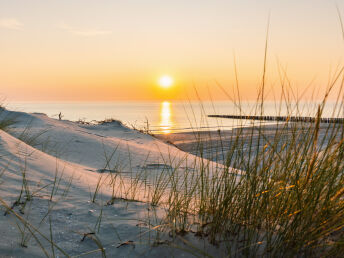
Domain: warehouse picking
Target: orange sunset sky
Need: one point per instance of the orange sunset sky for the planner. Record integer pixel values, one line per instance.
(85, 50)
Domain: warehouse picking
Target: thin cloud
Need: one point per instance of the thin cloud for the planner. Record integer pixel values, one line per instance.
(11, 24)
(83, 32)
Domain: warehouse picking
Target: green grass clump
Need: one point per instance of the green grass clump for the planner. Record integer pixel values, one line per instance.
(287, 200)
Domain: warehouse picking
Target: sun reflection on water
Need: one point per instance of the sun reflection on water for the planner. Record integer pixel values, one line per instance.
(165, 117)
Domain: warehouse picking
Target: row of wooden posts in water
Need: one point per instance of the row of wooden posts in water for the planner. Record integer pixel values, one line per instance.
(283, 118)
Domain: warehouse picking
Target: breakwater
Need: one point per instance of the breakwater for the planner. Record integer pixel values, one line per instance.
(283, 118)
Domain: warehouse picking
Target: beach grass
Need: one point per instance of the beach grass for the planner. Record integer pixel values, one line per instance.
(288, 200)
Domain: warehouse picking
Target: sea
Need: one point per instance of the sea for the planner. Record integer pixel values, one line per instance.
(172, 116)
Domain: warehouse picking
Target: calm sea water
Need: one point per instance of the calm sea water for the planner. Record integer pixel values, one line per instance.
(165, 117)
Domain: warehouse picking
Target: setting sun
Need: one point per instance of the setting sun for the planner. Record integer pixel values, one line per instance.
(165, 81)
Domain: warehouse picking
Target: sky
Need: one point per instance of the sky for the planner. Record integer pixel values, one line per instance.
(116, 50)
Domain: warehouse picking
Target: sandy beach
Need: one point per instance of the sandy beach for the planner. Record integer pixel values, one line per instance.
(64, 165)
(103, 189)
(215, 145)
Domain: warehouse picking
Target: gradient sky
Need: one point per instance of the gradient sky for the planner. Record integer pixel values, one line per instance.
(87, 50)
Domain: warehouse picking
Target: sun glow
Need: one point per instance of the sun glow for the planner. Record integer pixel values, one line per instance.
(166, 81)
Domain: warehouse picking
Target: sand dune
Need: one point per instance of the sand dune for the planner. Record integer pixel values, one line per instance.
(62, 164)
(100, 146)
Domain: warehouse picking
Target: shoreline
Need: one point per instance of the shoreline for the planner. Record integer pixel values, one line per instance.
(214, 145)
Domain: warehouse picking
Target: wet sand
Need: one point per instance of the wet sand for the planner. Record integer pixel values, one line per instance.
(215, 145)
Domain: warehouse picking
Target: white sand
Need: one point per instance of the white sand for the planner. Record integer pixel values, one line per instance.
(74, 154)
